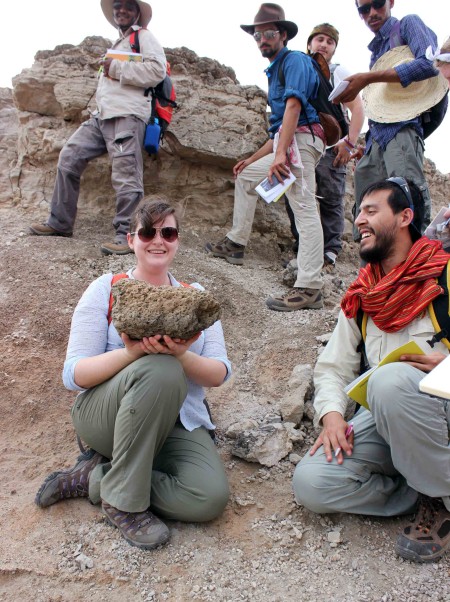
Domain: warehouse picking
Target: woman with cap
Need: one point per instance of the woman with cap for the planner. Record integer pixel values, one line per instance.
(141, 407)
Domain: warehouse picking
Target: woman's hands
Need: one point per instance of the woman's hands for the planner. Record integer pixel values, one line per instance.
(159, 344)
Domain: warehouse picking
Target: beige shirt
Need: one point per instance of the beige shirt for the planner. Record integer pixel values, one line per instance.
(122, 93)
(339, 363)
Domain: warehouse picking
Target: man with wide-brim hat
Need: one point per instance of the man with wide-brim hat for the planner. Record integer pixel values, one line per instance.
(296, 143)
(395, 140)
(117, 127)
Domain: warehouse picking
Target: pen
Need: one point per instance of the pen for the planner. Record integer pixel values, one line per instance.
(348, 432)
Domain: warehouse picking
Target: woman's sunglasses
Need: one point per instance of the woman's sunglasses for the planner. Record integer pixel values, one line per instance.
(145, 235)
(365, 9)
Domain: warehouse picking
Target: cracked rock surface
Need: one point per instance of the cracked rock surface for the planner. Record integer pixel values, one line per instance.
(141, 310)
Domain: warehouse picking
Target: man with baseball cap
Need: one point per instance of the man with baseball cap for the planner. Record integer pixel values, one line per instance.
(395, 140)
(117, 127)
(294, 131)
(331, 169)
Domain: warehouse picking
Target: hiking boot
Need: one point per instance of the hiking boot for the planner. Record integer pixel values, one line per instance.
(141, 529)
(227, 249)
(428, 537)
(46, 230)
(72, 483)
(329, 262)
(115, 248)
(296, 298)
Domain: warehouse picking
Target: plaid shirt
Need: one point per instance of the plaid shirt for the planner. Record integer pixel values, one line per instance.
(418, 37)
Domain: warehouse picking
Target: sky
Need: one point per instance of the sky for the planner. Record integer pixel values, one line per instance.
(213, 30)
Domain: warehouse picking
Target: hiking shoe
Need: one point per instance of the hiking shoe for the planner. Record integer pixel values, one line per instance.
(428, 537)
(72, 483)
(115, 248)
(227, 249)
(296, 298)
(141, 529)
(46, 230)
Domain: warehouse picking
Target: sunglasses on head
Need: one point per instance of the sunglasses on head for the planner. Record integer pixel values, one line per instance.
(168, 233)
(365, 9)
(403, 185)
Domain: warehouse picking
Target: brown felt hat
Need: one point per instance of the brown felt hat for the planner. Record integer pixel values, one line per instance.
(272, 13)
(326, 29)
(144, 8)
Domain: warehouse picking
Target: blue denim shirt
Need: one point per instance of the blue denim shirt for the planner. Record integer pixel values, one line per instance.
(418, 37)
(301, 81)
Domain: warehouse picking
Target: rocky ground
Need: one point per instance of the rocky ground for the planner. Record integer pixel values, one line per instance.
(264, 547)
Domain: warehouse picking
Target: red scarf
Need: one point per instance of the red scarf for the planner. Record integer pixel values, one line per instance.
(396, 299)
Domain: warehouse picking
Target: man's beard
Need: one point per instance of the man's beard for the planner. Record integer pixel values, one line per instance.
(268, 53)
(382, 249)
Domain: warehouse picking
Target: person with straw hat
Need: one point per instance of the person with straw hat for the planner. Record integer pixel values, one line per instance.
(395, 140)
(117, 127)
(296, 143)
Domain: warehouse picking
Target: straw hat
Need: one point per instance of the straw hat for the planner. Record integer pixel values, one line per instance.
(144, 8)
(391, 102)
(272, 13)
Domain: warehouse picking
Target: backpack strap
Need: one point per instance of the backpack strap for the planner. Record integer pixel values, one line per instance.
(134, 40)
(395, 37)
(114, 279)
(439, 310)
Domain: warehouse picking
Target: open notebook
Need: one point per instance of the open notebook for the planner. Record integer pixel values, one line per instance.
(437, 382)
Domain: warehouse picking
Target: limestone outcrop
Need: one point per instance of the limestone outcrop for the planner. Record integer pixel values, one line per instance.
(141, 310)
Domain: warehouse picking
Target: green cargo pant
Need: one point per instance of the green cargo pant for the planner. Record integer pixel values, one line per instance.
(155, 461)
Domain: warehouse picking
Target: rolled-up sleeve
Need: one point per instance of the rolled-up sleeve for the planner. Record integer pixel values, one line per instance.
(418, 37)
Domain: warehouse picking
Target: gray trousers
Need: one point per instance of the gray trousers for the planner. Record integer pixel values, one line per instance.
(401, 448)
(155, 461)
(330, 191)
(403, 157)
(303, 204)
(122, 138)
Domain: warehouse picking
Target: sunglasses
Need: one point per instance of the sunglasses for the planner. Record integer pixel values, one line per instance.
(366, 8)
(403, 185)
(145, 235)
(269, 34)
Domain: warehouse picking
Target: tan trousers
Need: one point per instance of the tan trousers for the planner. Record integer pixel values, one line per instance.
(303, 204)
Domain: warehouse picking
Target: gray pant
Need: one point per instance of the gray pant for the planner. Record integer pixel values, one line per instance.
(401, 447)
(330, 191)
(302, 202)
(156, 462)
(122, 138)
(403, 157)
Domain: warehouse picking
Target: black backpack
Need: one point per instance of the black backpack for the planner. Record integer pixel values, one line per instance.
(331, 116)
(433, 117)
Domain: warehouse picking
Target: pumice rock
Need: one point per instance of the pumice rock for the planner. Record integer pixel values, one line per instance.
(141, 310)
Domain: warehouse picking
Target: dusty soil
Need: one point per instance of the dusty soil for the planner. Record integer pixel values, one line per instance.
(264, 547)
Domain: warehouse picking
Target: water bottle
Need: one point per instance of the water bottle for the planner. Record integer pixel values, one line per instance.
(152, 136)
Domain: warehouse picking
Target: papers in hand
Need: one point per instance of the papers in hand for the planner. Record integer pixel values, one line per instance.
(437, 382)
(123, 55)
(272, 192)
(357, 389)
(337, 91)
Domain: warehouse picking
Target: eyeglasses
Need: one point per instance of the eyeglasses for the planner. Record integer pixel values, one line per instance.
(365, 9)
(269, 34)
(403, 185)
(146, 235)
(127, 5)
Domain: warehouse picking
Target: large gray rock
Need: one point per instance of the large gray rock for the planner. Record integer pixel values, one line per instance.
(266, 445)
(141, 310)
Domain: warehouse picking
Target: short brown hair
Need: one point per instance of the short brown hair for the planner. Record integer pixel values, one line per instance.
(152, 210)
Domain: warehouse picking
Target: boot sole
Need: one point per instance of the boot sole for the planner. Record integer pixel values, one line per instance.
(409, 554)
(109, 252)
(63, 234)
(135, 543)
